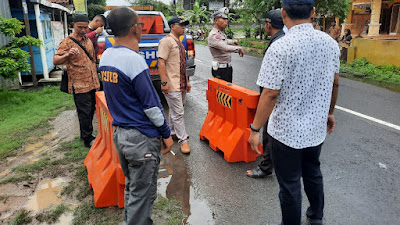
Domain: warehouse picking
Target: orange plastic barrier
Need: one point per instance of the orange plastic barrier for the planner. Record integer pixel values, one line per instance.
(153, 24)
(104, 170)
(231, 110)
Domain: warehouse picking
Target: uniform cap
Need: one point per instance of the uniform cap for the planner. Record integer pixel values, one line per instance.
(219, 14)
(178, 20)
(274, 17)
(297, 2)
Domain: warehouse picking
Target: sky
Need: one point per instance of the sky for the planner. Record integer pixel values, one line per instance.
(126, 3)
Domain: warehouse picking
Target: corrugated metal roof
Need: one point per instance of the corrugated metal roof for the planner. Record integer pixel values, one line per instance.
(5, 12)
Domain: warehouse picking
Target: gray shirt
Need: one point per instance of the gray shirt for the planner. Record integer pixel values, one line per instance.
(302, 65)
(220, 46)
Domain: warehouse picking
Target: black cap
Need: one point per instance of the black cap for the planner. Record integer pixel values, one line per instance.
(297, 2)
(178, 20)
(80, 18)
(274, 17)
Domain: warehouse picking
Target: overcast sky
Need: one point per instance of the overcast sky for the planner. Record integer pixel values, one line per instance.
(126, 3)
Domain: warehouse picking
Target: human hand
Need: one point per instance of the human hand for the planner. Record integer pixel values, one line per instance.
(167, 145)
(241, 53)
(73, 52)
(189, 87)
(236, 42)
(254, 141)
(165, 88)
(99, 30)
(331, 123)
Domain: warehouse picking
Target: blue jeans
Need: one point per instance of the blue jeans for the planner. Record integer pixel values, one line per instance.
(290, 165)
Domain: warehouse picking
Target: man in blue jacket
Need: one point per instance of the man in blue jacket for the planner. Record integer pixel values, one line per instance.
(139, 118)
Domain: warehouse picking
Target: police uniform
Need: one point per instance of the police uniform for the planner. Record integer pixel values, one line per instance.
(221, 48)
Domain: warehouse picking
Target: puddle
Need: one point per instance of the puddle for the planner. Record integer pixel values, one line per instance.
(5, 172)
(175, 183)
(31, 147)
(47, 193)
(50, 135)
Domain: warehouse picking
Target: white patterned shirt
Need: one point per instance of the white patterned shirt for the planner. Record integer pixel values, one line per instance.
(302, 65)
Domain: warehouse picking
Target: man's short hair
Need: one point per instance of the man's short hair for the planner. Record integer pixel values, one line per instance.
(121, 19)
(101, 17)
(298, 12)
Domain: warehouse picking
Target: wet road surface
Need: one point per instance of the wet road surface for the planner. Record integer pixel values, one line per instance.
(359, 161)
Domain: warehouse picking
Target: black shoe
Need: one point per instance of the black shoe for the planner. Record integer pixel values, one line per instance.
(259, 173)
(314, 221)
(89, 144)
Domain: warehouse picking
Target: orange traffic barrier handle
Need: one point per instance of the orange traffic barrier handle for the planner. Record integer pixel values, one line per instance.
(246, 96)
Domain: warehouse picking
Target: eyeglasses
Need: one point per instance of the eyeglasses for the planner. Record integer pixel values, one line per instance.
(141, 24)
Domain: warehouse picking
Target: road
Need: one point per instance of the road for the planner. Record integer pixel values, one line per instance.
(359, 161)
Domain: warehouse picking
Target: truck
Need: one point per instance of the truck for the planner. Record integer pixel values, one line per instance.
(155, 27)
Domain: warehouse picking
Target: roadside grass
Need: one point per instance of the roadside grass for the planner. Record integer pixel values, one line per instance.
(253, 43)
(362, 70)
(23, 111)
(86, 213)
(51, 216)
(23, 217)
(168, 210)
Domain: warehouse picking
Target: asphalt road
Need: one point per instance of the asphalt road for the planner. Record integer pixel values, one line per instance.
(359, 161)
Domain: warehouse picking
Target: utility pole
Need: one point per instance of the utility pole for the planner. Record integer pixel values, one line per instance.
(28, 33)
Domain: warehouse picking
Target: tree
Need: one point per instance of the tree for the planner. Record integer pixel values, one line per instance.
(336, 8)
(198, 15)
(12, 58)
(96, 7)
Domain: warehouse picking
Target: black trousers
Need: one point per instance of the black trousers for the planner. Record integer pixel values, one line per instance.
(223, 74)
(85, 106)
(290, 166)
(266, 164)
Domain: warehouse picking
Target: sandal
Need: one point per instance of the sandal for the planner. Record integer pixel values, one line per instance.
(258, 173)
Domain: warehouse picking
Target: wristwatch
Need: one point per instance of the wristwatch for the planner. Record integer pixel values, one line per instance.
(253, 129)
(164, 83)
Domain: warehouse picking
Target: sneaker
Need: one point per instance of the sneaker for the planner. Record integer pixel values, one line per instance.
(185, 148)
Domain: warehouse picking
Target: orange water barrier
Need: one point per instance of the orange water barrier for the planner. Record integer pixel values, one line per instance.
(231, 110)
(105, 175)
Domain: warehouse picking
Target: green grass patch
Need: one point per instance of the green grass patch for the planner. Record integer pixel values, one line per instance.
(169, 211)
(253, 43)
(86, 213)
(205, 42)
(22, 217)
(52, 216)
(34, 167)
(16, 179)
(384, 76)
(23, 111)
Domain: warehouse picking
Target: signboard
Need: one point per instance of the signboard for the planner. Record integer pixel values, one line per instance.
(215, 5)
(59, 1)
(362, 8)
(80, 6)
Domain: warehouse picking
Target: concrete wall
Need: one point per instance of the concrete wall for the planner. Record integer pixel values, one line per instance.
(5, 12)
(378, 52)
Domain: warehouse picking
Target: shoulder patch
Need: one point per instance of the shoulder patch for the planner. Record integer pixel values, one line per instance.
(218, 37)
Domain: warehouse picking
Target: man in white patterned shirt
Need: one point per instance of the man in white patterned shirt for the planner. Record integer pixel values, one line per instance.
(300, 77)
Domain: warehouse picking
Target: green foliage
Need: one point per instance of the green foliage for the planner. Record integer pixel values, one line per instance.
(52, 216)
(229, 33)
(385, 75)
(97, 2)
(16, 179)
(21, 112)
(198, 15)
(22, 217)
(34, 167)
(337, 8)
(252, 43)
(247, 31)
(12, 58)
(86, 213)
(94, 9)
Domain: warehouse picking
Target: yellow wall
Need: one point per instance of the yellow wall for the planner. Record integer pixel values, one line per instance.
(378, 52)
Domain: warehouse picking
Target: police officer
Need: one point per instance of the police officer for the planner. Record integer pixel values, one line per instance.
(221, 47)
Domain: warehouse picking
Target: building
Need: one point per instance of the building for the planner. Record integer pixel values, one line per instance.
(375, 27)
(374, 18)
